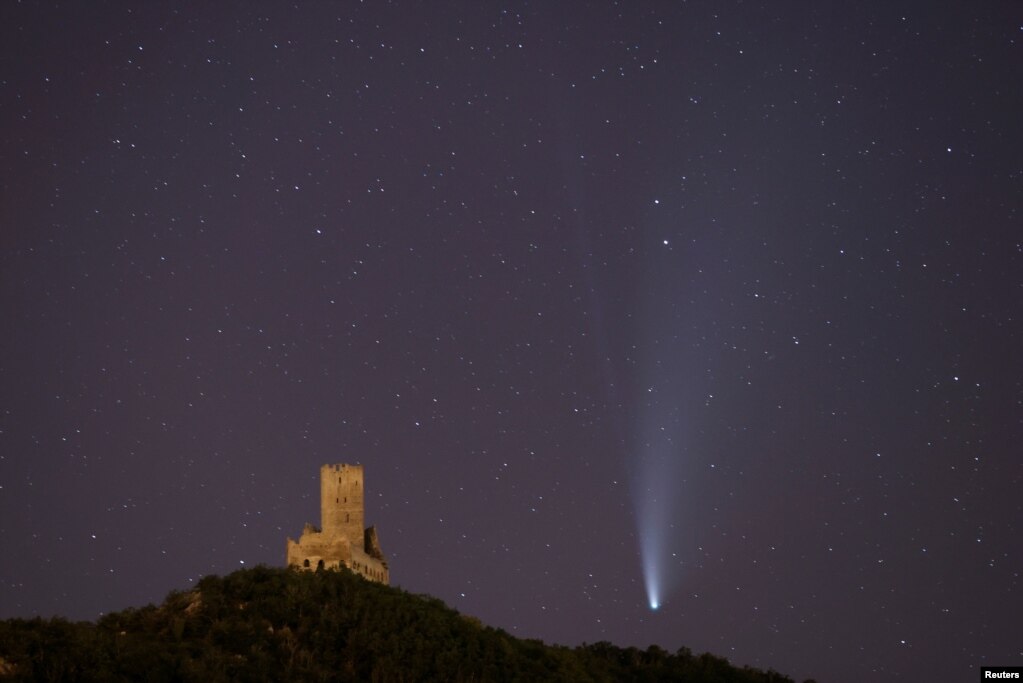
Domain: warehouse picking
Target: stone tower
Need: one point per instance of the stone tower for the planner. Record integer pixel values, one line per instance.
(343, 541)
(341, 502)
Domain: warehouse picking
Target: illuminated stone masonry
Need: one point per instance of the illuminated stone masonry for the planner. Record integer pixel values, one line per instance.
(343, 540)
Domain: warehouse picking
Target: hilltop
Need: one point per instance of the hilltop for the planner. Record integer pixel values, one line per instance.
(269, 624)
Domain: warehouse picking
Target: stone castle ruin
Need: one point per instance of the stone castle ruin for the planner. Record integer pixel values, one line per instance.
(343, 540)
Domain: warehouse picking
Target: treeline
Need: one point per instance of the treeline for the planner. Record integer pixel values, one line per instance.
(267, 624)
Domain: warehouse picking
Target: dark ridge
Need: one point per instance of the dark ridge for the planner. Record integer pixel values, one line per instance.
(271, 624)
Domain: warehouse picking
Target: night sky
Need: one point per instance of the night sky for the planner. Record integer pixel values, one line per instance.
(713, 304)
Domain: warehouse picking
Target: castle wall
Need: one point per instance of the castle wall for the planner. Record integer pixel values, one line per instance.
(313, 547)
(370, 567)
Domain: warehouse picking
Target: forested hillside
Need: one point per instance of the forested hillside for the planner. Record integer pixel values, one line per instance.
(267, 624)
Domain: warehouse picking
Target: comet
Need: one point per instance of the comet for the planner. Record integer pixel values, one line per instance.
(657, 488)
